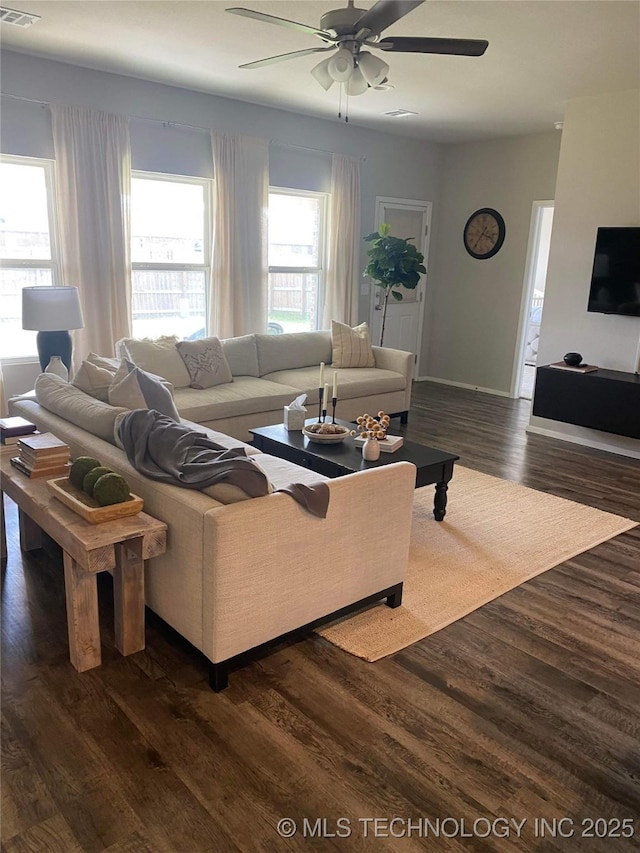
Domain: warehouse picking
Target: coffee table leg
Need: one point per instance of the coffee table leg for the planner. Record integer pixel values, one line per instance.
(81, 591)
(128, 596)
(440, 501)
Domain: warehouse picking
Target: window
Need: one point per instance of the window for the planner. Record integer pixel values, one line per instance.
(28, 248)
(170, 255)
(296, 259)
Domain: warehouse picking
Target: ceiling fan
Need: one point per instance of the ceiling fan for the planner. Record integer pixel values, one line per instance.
(348, 30)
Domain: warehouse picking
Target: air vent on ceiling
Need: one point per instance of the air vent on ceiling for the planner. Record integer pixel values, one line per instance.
(400, 113)
(18, 19)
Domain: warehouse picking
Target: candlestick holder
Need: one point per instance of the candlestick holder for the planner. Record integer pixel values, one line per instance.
(334, 400)
(320, 396)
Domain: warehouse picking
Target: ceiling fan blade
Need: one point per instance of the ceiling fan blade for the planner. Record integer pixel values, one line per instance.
(384, 13)
(271, 60)
(281, 22)
(456, 47)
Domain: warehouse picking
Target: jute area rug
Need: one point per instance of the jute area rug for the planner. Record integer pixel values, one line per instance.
(496, 535)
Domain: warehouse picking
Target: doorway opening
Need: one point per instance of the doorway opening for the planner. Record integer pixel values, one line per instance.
(533, 297)
(409, 218)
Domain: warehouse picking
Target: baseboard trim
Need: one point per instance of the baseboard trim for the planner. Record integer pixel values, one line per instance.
(463, 385)
(584, 442)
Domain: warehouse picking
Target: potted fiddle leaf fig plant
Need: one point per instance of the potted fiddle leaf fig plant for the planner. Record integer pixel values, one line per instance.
(393, 262)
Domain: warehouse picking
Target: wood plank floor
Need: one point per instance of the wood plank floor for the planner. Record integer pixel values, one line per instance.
(529, 708)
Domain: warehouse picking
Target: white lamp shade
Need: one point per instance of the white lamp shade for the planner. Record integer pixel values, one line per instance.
(372, 67)
(341, 65)
(356, 84)
(321, 73)
(51, 309)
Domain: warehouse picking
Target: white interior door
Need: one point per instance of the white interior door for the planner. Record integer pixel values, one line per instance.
(404, 320)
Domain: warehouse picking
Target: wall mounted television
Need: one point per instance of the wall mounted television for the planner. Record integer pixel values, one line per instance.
(615, 278)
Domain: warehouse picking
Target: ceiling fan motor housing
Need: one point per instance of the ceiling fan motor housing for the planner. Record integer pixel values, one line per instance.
(341, 21)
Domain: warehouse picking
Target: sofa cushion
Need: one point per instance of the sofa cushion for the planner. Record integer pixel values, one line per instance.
(93, 380)
(351, 347)
(353, 382)
(242, 355)
(244, 396)
(163, 359)
(110, 364)
(206, 362)
(297, 349)
(134, 388)
(72, 404)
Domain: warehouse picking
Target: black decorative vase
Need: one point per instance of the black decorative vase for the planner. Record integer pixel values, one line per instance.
(573, 359)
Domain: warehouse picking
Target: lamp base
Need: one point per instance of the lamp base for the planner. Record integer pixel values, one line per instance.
(54, 343)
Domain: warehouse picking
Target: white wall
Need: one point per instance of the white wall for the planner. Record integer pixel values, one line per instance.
(475, 304)
(390, 165)
(598, 184)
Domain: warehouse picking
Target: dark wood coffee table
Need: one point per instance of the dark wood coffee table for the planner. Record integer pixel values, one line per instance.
(336, 460)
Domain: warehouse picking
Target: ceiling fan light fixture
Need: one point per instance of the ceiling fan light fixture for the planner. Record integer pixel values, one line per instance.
(372, 67)
(356, 84)
(321, 73)
(340, 65)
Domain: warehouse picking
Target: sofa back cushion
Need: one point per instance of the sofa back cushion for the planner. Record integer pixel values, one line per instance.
(289, 351)
(72, 404)
(159, 357)
(241, 355)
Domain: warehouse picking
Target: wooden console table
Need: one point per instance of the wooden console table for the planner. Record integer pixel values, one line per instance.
(120, 546)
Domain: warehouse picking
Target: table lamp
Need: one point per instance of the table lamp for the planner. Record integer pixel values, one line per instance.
(52, 311)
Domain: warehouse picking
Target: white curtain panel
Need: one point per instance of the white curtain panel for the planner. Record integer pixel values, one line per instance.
(238, 298)
(3, 408)
(343, 270)
(93, 192)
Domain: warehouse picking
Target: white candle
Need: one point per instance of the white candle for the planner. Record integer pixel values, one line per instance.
(325, 402)
(335, 383)
(321, 382)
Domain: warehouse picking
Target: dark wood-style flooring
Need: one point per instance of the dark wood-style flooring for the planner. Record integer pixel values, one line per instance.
(527, 709)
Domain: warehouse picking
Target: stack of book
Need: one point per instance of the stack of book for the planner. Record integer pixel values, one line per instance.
(12, 429)
(42, 455)
(387, 445)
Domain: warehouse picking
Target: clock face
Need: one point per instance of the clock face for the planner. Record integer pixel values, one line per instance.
(484, 233)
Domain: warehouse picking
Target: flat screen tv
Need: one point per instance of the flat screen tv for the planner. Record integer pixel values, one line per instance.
(615, 278)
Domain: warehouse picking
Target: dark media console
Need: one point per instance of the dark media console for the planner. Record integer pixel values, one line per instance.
(608, 400)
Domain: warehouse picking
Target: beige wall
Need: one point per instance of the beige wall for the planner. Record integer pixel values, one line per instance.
(598, 184)
(474, 306)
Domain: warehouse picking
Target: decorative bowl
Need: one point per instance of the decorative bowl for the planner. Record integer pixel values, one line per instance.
(326, 438)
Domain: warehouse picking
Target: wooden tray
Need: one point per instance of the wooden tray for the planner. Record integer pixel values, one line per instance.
(87, 507)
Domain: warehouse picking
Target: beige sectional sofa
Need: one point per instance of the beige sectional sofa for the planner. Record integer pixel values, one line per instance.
(269, 371)
(236, 576)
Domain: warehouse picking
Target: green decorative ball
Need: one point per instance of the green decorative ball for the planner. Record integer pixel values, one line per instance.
(94, 474)
(80, 468)
(111, 489)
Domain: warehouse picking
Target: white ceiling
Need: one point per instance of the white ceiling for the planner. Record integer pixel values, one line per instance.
(541, 54)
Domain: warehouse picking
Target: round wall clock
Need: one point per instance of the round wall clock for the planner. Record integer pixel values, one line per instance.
(484, 233)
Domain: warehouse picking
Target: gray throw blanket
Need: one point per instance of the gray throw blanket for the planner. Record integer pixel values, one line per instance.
(162, 449)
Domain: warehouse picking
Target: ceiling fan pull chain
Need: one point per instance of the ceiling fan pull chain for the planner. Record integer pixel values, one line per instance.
(340, 103)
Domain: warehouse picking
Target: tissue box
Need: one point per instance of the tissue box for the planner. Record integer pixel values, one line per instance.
(294, 418)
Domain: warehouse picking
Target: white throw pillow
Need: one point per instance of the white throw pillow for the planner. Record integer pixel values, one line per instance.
(140, 390)
(159, 358)
(206, 362)
(110, 364)
(93, 380)
(351, 347)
